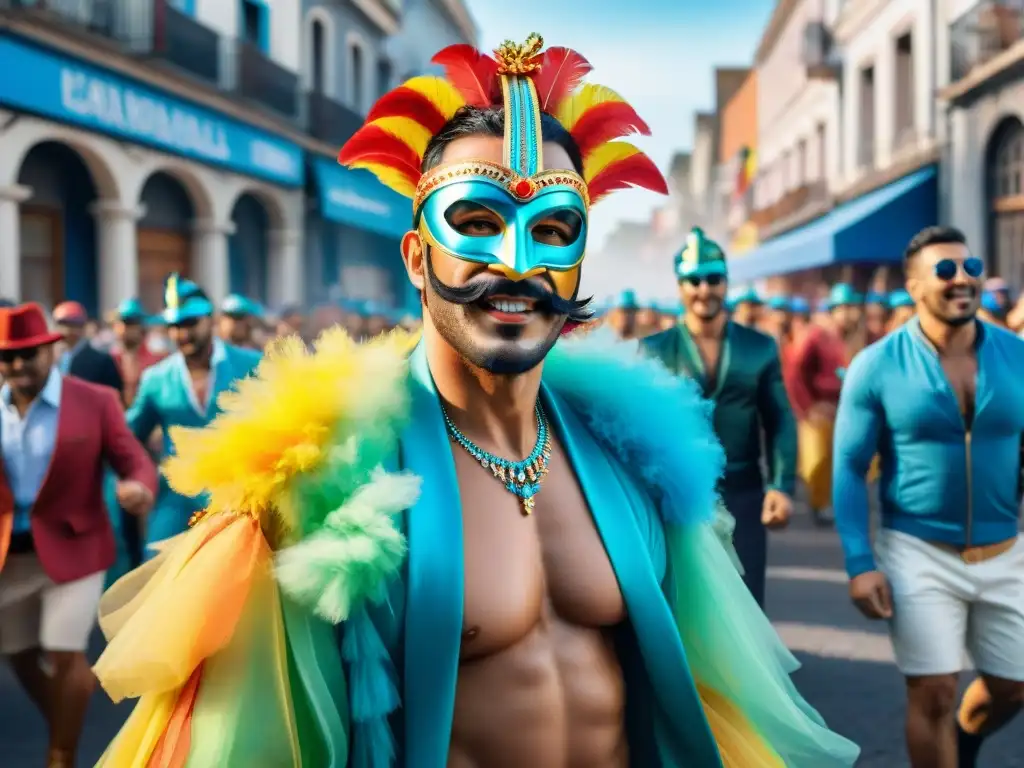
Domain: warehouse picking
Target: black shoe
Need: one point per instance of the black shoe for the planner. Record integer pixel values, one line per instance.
(823, 518)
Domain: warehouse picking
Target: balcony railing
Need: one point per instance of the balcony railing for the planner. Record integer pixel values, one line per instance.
(791, 205)
(155, 30)
(985, 31)
(330, 121)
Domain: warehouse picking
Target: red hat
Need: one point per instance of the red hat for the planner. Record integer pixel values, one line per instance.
(24, 327)
(70, 312)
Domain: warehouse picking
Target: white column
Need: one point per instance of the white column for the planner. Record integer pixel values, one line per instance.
(11, 199)
(285, 267)
(117, 251)
(210, 257)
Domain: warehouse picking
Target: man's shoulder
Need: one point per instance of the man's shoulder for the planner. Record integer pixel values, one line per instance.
(660, 341)
(753, 339)
(84, 391)
(242, 358)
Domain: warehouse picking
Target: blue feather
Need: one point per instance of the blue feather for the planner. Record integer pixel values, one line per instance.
(657, 424)
(373, 691)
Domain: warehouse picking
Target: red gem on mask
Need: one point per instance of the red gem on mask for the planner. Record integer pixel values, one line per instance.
(524, 189)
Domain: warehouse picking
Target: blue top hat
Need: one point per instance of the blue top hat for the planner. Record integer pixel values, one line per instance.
(239, 306)
(626, 300)
(843, 295)
(131, 311)
(184, 300)
(700, 257)
(780, 304)
(899, 299)
(800, 306)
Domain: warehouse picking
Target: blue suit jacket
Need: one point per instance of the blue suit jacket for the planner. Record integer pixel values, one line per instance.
(165, 399)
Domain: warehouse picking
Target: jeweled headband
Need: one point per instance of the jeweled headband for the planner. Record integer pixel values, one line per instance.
(526, 81)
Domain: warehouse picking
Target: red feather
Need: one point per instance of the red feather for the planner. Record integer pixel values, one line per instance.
(406, 102)
(371, 143)
(634, 171)
(561, 72)
(607, 121)
(474, 74)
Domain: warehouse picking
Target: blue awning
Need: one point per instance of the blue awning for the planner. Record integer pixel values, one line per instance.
(357, 199)
(873, 229)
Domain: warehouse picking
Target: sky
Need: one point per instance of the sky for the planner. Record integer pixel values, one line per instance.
(660, 59)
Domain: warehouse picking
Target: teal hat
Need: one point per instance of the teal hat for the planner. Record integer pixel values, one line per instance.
(873, 297)
(700, 256)
(131, 311)
(843, 295)
(899, 299)
(799, 305)
(780, 304)
(239, 306)
(747, 296)
(626, 300)
(184, 300)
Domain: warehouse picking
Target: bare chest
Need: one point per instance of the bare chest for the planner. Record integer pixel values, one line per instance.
(518, 568)
(710, 351)
(961, 373)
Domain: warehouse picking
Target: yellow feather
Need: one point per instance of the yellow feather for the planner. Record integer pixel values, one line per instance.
(606, 154)
(407, 130)
(389, 177)
(282, 422)
(440, 92)
(586, 98)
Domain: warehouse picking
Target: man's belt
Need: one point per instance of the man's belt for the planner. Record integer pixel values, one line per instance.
(979, 554)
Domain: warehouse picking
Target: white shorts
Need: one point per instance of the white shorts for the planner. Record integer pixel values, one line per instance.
(36, 613)
(943, 607)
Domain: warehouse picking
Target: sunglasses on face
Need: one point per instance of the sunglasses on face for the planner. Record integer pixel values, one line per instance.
(946, 269)
(8, 356)
(711, 280)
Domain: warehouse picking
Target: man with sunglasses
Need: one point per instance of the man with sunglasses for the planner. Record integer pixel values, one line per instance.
(738, 368)
(182, 390)
(940, 401)
(57, 435)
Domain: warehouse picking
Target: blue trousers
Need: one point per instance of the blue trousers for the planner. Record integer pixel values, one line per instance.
(750, 539)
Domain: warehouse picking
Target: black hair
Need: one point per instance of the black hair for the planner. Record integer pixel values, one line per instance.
(490, 121)
(935, 235)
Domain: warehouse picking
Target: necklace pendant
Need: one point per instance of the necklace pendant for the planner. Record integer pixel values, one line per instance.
(527, 506)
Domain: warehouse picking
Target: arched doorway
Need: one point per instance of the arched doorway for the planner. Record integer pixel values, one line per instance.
(1005, 184)
(164, 236)
(58, 232)
(248, 248)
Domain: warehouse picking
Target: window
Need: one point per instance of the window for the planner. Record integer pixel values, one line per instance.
(254, 28)
(801, 163)
(786, 173)
(317, 42)
(1009, 165)
(866, 137)
(820, 152)
(904, 92)
(383, 77)
(357, 94)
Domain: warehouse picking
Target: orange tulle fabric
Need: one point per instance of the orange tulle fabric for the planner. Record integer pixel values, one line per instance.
(173, 749)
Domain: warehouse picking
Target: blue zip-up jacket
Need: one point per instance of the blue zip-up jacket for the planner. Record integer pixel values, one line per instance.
(939, 481)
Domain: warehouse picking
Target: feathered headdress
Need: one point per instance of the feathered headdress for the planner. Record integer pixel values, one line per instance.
(392, 142)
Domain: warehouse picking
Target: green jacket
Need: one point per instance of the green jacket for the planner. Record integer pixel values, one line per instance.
(749, 397)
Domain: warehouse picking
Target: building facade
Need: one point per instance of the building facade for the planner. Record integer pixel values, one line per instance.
(353, 222)
(146, 137)
(984, 182)
(737, 163)
(428, 26)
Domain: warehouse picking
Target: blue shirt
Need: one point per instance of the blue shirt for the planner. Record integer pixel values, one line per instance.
(945, 478)
(217, 355)
(28, 444)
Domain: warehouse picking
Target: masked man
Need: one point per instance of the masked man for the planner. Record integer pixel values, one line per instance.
(183, 390)
(512, 537)
(738, 369)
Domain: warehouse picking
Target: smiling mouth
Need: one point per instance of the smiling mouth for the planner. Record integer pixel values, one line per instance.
(506, 309)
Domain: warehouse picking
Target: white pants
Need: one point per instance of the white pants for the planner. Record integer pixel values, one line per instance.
(943, 606)
(37, 613)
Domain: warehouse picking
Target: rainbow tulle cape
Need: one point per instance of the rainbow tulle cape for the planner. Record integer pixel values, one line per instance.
(229, 637)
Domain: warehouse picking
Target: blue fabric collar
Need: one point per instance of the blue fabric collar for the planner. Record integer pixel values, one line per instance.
(50, 393)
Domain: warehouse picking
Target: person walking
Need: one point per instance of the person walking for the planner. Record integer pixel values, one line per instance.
(939, 399)
(57, 434)
(79, 357)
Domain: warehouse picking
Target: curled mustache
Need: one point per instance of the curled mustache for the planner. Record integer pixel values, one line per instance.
(486, 288)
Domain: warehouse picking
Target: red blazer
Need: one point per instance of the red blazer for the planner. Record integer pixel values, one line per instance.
(70, 527)
(811, 370)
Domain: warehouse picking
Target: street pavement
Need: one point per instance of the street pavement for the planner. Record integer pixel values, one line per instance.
(848, 674)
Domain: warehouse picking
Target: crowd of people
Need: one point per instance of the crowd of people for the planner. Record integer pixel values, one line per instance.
(476, 544)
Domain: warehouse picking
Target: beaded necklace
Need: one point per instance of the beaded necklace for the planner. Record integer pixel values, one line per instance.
(522, 478)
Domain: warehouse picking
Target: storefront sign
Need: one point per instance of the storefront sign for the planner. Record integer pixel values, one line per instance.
(357, 199)
(58, 87)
